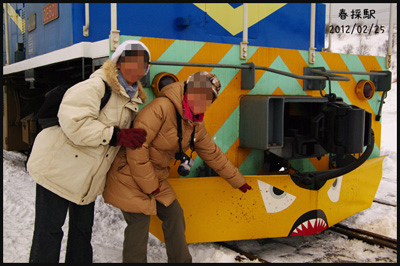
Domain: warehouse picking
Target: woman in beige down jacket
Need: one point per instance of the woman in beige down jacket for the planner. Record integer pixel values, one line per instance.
(136, 182)
(69, 162)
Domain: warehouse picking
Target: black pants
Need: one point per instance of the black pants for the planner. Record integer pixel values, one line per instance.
(51, 211)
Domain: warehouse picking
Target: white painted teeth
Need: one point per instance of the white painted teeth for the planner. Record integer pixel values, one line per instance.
(314, 222)
(305, 224)
(321, 222)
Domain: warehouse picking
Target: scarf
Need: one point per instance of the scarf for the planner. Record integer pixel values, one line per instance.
(131, 90)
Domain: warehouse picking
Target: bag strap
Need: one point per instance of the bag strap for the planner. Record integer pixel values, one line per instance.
(53, 121)
(191, 144)
(107, 95)
(179, 128)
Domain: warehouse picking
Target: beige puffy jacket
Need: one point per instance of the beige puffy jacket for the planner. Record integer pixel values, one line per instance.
(135, 174)
(72, 159)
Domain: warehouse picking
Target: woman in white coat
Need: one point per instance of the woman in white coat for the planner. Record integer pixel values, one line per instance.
(69, 162)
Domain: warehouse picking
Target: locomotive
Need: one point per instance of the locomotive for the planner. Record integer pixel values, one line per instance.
(301, 123)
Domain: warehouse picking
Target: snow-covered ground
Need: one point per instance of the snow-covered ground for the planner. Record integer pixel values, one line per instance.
(19, 210)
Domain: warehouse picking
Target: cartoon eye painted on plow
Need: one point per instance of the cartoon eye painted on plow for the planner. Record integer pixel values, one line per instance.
(334, 190)
(275, 200)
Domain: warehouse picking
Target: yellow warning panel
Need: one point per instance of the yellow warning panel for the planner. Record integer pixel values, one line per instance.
(277, 207)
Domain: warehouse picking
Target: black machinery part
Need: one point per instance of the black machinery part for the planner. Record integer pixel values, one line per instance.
(309, 178)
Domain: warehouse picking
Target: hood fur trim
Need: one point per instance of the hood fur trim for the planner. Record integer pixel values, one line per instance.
(111, 73)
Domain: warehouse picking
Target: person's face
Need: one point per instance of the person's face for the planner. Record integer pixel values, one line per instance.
(132, 68)
(199, 99)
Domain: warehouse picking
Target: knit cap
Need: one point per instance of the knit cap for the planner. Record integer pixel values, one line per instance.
(130, 45)
(206, 80)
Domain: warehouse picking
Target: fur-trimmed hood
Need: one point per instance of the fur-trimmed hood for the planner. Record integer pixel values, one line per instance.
(110, 76)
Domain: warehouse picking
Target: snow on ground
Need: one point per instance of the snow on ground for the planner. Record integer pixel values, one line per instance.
(19, 209)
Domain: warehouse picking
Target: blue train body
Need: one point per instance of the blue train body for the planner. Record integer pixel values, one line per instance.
(286, 27)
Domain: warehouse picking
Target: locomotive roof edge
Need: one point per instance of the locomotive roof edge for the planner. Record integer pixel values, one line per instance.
(83, 49)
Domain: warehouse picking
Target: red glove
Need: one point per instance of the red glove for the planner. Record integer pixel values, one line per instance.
(155, 192)
(245, 187)
(132, 137)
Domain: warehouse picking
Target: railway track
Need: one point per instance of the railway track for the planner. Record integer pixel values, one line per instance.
(384, 202)
(366, 236)
(248, 255)
(351, 233)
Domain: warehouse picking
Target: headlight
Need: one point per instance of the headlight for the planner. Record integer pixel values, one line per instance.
(161, 80)
(365, 89)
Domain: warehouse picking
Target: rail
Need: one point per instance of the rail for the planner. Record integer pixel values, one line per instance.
(352, 233)
(366, 236)
(248, 255)
(384, 202)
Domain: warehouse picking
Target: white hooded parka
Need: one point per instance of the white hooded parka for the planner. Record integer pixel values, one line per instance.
(72, 159)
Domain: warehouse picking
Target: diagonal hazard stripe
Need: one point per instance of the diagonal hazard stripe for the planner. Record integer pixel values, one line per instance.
(341, 62)
(253, 163)
(336, 88)
(225, 75)
(278, 91)
(270, 81)
(228, 99)
(221, 122)
(370, 63)
(237, 155)
(382, 62)
(214, 52)
(294, 62)
(156, 46)
(178, 51)
(224, 139)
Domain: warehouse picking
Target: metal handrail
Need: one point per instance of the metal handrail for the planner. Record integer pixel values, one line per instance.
(358, 73)
(198, 64)
(280, 72)
(333, 77)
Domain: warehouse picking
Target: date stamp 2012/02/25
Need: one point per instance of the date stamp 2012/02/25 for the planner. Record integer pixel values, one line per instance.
(357, 28)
